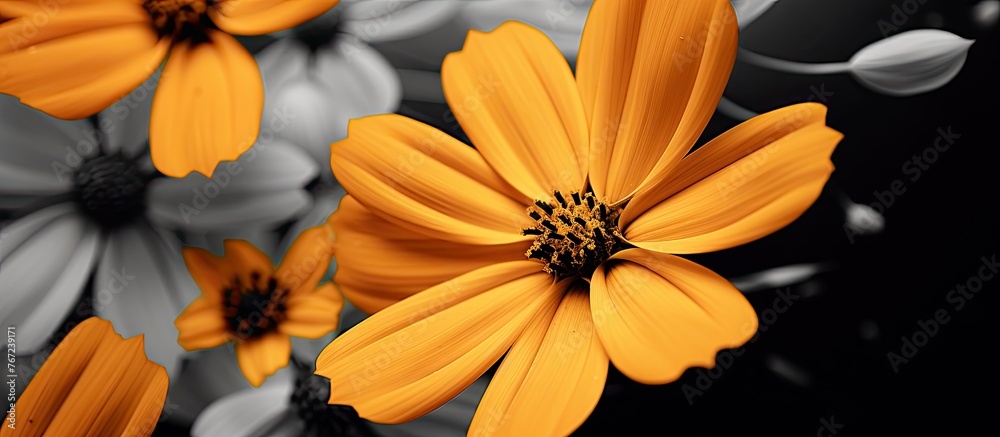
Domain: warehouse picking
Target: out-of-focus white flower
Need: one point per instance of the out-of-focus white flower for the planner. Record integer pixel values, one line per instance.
(986, 12)
(911, 62)
(293, 403)
(778, 277)
(863, 219)
(748, 10)
(561, 20)
(86, 205)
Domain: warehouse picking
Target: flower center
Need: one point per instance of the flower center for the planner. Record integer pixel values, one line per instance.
(111, 189)
(254, 309)
(573, 235)
(178, 18)
(310, 403)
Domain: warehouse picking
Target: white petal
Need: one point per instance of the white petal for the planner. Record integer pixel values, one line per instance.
(561, 20)
(748, 10)
(986, 12)
(778, 277)
(208, 375)
(347, 80)
(260, 189)
(863, 219)
(326, 199)
(126, 123)
(911, 62)
(37, 152)
(244, 413)
(141, 286)
(450, 420)
(262, 238)
(389, 20)
(46, 257)
(280, 62)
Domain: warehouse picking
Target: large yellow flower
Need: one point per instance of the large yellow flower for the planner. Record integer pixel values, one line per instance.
(94, 383)
(74, 58)
(248, 301)
(553, 241)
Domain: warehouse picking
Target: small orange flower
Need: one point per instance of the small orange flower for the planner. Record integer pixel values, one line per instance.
(552, 243)
(73, 58)
(94, 383)
(246, 300)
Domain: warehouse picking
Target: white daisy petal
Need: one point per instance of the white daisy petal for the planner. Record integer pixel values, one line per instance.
(326, 199)
(47, 257)
(779, 277)
(37, 152)
(126, 123)
(262, 188)
(389, 20)
(141, 286)
(343, 81)
(280, 62)
(208, 375)
(561, 20)
(246, 412)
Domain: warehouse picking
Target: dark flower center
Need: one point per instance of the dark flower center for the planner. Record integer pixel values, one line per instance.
(310, 403)
(111, 189)
(179, 18)
(573, 234)
(254, 309)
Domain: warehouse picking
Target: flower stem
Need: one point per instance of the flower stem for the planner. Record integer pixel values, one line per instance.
(770, 63)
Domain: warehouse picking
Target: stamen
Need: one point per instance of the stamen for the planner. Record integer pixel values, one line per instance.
(573, 238)
(253, 311)
(179, 18)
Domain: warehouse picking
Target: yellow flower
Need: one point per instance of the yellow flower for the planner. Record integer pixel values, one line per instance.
(553, 240)
(94, 383)
(246, 300)
(74, 58)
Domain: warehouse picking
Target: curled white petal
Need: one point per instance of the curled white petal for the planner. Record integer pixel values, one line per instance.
(911, 62)
(748, 10)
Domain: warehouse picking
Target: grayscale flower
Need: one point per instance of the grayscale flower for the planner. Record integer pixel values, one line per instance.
(84, 210)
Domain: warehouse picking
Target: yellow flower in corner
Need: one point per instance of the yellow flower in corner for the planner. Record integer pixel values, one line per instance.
(246, 300)
(94, 383)
(554, 241)
(74, 58)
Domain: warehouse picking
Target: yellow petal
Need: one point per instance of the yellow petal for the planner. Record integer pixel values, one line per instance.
(379, 263)
(93, 383)
(551, 378)
(307, 260)
(245, 259)
(650, 73)
(257, 17)
(202, 325)
(659, 314)
(420, 178)
(749, 182)
(207, 107)
(313, 315)
(513, 93)
(412, 357)
(262, 357)
(212, 273)
(83, 59)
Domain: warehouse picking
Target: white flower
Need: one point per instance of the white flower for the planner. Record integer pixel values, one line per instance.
(86, 210)
(289, 402)
(910, 62)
